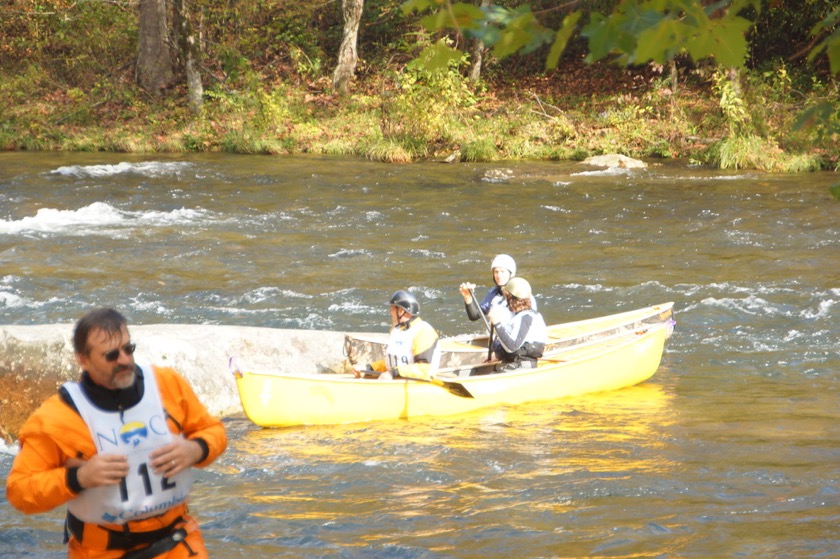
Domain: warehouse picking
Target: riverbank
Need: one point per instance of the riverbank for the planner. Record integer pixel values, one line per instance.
(573, 113)
(36, 360)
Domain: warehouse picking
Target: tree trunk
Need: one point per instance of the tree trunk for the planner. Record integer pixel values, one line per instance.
(347, 54)
(190, 52)
(154, 57)
(477, 53)
(476, 60)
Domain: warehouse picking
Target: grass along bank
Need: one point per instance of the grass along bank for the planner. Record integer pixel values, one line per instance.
(411, 114)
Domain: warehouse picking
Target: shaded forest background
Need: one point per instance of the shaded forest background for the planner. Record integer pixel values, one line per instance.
(68, 81)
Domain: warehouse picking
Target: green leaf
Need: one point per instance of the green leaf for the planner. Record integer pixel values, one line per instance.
(561, 39)
(467, 16)
(418, 6)
(602, 33)
(833, 51)
(831, 46)
(636, 20)
(725, 39)
(809, 118)
(660, 43)
(437, 57)
(739, 5)
(496, 14)
(695, 15)
(437, 21)
(487, 34)
(516, 35)
(461, 16)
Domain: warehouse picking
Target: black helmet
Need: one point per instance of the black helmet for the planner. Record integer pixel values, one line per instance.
(405, 301)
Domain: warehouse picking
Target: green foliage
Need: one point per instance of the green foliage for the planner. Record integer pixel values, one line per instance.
(831, 44)
(783, 29)
(753, 152)
(390, 151)
(822, 116)
(265, 63)
(408, 114)
(481, 149)
(635, 31)
(641, 31)
(562, 39)
(57, 33)
(732, 103)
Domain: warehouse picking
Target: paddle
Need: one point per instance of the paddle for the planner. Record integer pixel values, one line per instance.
(487, 324)
(483, 317)
(455, 388)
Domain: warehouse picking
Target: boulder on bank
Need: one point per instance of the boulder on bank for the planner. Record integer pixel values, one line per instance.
(611, 160)
(36, 360)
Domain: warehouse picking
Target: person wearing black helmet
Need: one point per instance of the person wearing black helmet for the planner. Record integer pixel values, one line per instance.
(521, 333)
(412, 350)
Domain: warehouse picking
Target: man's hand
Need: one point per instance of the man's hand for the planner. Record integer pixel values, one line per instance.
(175, 457)
(101, 469)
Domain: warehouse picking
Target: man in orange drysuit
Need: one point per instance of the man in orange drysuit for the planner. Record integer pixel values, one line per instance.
(117, 448)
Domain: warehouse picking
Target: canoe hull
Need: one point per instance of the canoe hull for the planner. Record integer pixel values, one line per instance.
(281, 400)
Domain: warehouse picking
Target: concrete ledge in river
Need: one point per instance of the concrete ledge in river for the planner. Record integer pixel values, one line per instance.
(36, 360)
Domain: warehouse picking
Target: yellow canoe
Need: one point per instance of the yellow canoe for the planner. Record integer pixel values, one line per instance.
(599, 363)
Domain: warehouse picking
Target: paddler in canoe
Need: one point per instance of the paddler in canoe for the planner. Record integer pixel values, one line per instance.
(521, 333)
(412, 350)
(503, 268)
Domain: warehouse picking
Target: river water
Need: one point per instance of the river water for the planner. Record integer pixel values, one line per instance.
(730, 450)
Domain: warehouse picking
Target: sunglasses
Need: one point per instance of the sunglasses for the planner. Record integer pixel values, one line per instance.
(114, 354)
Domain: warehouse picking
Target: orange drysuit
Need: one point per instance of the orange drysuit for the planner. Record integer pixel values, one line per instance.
(39, 480)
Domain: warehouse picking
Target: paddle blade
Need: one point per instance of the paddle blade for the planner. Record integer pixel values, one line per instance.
(454, 388)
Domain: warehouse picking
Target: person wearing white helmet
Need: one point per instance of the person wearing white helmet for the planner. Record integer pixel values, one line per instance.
(503, 269)
(521, 333)
(412, 350)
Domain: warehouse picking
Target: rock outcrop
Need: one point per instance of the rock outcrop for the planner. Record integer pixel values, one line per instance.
(36, 360)
(610, 160)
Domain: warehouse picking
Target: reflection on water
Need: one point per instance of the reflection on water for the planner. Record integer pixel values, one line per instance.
(464, 486)
(730, 450)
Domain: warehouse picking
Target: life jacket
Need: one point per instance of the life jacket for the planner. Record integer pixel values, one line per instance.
(413, 349)
(514, 344)
(134, 432)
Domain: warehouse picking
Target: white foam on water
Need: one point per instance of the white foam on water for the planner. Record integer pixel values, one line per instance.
(751, 305)
(426, 253)
(823, 310)
(11, 450)
(350, 307)
(557, 209)
(98, 218)
(718, 177)
(146, 168)
(349, 253)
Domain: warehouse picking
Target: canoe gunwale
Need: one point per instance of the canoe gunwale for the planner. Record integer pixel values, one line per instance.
(450, 374)
(471, 353)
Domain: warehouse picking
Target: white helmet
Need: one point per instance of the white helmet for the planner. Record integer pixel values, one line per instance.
(505, 262)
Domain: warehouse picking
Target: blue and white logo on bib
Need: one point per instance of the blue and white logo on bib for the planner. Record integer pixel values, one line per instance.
(133, 433)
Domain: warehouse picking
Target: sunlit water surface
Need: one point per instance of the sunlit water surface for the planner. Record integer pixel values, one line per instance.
(731, 450)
